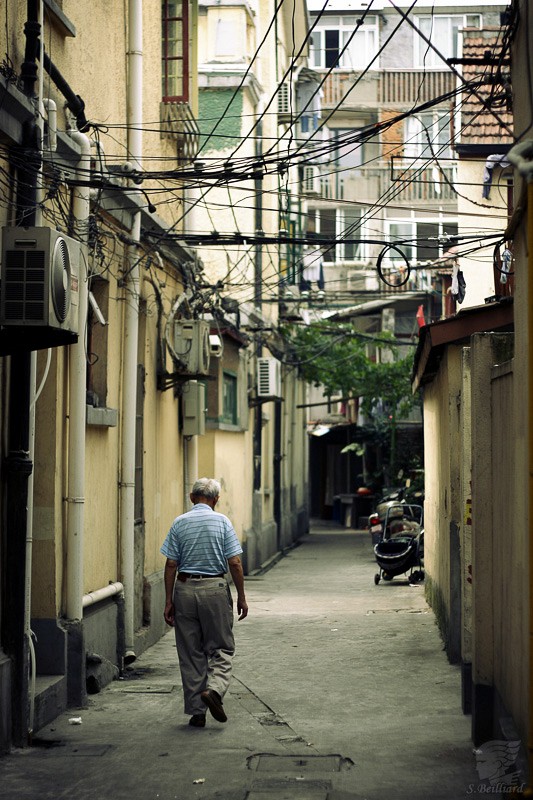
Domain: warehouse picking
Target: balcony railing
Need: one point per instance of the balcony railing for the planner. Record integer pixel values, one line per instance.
(178, 123)
(410, 185)
(377, 88)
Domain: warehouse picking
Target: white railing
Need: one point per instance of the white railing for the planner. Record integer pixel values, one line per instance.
(368, 184)
(385, 87)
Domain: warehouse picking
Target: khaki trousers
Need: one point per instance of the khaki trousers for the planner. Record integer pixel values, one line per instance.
(204, 638)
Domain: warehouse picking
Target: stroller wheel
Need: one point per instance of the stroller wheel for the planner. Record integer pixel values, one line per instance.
(376, 578)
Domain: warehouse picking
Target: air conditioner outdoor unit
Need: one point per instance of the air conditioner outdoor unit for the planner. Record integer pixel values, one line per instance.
(39, 272)
(191, 345)
(311, 180)
(268, 377)
(284, 99)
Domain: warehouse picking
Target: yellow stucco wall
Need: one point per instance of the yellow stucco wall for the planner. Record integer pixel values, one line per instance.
(477, 215)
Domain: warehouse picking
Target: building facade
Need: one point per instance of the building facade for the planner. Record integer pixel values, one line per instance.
(115, 338)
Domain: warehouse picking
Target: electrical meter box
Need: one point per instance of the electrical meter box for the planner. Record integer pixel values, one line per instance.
(193, 409)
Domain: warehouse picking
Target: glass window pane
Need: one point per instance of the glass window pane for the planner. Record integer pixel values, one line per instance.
(352, 230)
(316, 47)
(332, 48)
(229, 398)
(427, 241)
(399, 231)
(328, 229)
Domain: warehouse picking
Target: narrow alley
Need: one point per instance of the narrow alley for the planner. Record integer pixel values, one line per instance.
(341, 691)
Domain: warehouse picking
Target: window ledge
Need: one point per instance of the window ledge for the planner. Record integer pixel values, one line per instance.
(102, 417)
(66, 27)
(224, 426)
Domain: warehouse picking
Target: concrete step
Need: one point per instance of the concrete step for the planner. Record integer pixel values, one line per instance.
(50, 699)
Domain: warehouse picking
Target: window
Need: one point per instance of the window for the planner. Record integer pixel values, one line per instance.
(175, 51)
(229, 398)
(425, 133)
(340, 42)
(347, 156)
(424, 241)
(97, 344)
(337, 225)
(443, 32)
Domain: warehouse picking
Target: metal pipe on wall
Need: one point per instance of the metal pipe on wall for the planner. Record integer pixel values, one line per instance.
(131, 333)
(77, 400)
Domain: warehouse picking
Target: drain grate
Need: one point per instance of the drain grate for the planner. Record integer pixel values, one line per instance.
(289, 790)
(269, 762)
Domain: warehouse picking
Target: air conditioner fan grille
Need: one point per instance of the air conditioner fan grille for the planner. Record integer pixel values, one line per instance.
(24, 278)
(60, 285)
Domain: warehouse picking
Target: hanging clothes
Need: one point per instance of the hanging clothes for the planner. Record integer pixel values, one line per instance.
(458, 288)
(496, 160)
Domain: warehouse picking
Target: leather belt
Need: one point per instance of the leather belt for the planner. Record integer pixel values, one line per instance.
(183, 576)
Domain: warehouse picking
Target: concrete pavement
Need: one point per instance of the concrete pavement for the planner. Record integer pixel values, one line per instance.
(341, 691)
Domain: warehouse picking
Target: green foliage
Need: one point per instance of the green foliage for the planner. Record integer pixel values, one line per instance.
(343, 362)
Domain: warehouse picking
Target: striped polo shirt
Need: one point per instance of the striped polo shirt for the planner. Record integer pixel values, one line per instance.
(201, 541)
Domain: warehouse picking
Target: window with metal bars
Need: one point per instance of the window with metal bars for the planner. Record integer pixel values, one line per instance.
(175, 51)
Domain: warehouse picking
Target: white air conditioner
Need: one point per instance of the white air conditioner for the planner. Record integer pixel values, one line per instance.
(191, 345)
(311, 180)
(39, 272)
(268, 377)
(284, 99)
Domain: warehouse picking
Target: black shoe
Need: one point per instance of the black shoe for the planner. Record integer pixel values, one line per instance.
(213, 701)
(197, 721)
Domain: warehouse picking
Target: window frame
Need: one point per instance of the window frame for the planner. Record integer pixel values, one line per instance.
(392, 256)
(424, 56)
(338, 247)
(317, 53)
(419, 148)
(166, 59)
(231, 418)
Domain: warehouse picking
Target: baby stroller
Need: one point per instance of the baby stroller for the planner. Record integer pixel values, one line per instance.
(401, 548)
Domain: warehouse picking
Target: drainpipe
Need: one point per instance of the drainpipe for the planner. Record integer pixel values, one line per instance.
(39, 197)
(77, 400)
(131, 333)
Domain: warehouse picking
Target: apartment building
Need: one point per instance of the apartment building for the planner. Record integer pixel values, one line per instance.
(391, 105)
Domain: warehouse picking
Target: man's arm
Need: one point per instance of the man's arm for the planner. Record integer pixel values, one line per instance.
(170, 577)
(235, 567)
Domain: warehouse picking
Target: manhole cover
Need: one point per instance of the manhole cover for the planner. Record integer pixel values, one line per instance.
(267, 762)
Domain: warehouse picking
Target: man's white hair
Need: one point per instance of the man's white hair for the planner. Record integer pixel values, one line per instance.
(206, 487)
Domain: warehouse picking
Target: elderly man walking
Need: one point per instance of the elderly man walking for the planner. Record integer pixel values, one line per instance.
(200, 546)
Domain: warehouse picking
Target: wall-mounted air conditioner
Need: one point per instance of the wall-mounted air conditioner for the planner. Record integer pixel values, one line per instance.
(39, 272)
(284, 101)
(268, 377)
(191, 345)
(311, 180)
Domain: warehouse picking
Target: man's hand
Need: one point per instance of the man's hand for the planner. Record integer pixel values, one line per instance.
(242, 608)
(169, 614)
(235, 567)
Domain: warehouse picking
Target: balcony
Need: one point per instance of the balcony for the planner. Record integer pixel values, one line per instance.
(402, 185)
(178, 123)
(384, 88)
